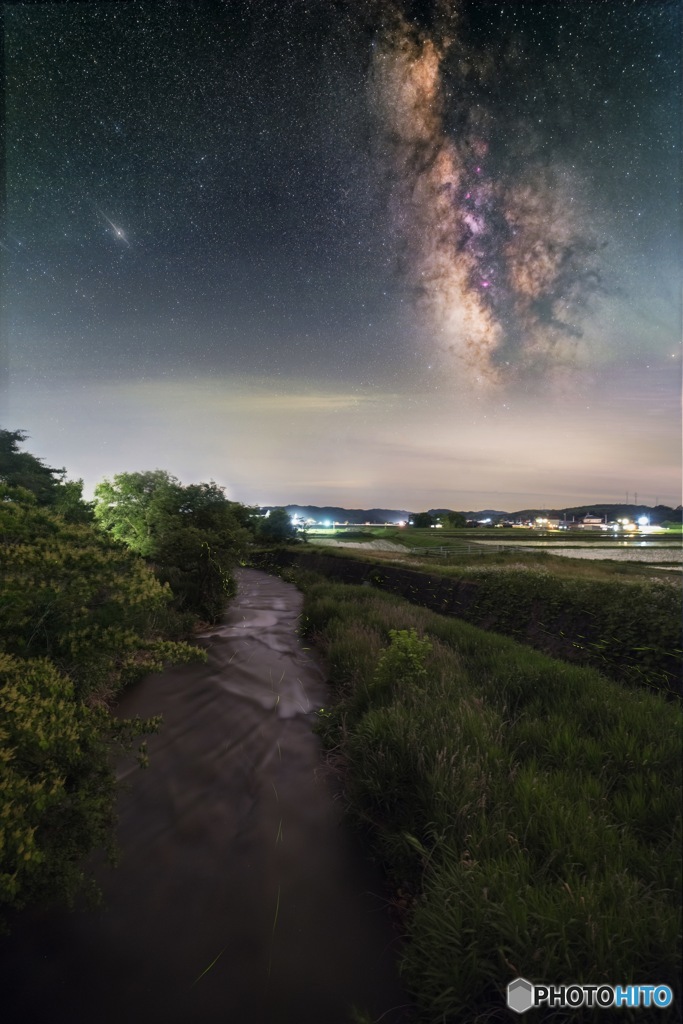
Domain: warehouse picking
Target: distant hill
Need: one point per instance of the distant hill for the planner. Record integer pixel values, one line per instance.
(359, 516)
(658, 514)
(354, 516)
(485, 513)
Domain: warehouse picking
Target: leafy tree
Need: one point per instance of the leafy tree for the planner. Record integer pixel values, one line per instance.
(20, 469)
(48, 486)
(276, 527)
(132, 507)
(70, 594)
(192, 535)
(456, 520)
(246, 515)
(69, 503)
(197, 566)
(423, 520)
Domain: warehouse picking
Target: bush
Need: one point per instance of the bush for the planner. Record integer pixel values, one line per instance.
(56, 782)
(82, 617)
(69, 594)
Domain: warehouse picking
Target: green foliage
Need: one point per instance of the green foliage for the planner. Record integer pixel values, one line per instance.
(197, 572)
(71, 595)
(56, 782)
(456, 520)
(193, 535)
(423, 520)
(132, 507)
(56, 788)
(276, 527)
(627, 629)
(82, 617)
(532, 808)
(400, 665)
(69, 503)
(403, 659)
(22, 470)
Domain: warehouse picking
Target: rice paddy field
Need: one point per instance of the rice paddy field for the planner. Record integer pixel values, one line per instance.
(456, 545)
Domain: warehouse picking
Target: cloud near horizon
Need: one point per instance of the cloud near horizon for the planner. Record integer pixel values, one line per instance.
(295, 441)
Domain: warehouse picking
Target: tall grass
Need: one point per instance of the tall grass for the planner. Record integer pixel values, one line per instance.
(531, 808)
(629, 630)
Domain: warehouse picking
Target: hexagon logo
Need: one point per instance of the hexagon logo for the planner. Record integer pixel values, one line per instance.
(520, 995)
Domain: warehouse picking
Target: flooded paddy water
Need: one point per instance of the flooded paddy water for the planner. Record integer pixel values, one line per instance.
(652, 552)
(620, 551)
(240, 895)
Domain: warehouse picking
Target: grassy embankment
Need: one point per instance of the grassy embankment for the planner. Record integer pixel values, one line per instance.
(624, 623)
(527, 811)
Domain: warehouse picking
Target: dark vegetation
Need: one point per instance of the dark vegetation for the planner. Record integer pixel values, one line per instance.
(49, 487)
(91, 599)
(192, 535)
(276, 527)
(627, 629)
(526, 810)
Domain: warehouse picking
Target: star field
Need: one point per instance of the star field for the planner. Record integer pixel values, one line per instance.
(387, 233)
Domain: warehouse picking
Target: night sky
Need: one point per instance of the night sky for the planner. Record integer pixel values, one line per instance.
(392, 253)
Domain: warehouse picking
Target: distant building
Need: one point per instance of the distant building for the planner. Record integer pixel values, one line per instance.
(592, 522)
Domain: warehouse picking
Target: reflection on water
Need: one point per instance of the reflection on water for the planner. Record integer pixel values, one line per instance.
(239, 896)
(622, 551)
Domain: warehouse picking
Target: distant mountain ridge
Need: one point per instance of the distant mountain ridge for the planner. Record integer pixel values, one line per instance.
(360, 516)
(656, 514)
(355, 516)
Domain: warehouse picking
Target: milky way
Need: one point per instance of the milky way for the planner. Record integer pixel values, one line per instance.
(389, 253)
(498, 255)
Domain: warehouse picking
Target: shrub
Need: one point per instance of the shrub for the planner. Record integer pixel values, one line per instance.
(82, 617)
(71, 595)
(56, 782)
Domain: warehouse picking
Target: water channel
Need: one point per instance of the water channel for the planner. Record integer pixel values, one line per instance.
(240, 897)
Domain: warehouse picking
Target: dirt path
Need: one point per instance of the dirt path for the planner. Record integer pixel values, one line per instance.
(239, 897)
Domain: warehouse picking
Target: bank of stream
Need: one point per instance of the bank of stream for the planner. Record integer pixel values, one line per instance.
(240, 894)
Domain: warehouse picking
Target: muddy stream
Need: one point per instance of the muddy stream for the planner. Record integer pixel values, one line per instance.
(240, 896)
